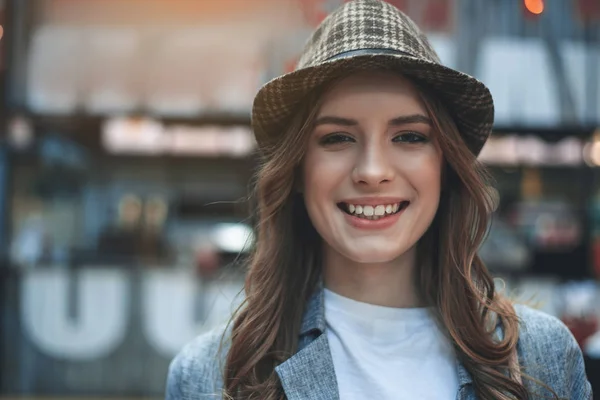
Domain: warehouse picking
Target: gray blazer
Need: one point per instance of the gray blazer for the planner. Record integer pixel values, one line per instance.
(547, 351)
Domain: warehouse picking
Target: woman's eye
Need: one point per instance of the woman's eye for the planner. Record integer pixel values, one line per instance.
(335, 138)
(410, 137)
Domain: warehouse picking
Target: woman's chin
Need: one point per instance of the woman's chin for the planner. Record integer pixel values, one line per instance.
(374, 256)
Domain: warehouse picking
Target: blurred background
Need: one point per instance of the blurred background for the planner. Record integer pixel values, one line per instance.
(126, 156)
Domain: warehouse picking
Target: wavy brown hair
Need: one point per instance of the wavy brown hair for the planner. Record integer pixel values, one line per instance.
(284, 268)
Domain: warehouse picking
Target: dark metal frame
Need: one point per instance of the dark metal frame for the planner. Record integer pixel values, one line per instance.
(17, 25)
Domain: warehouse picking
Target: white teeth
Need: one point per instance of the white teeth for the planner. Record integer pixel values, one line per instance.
(373, 212)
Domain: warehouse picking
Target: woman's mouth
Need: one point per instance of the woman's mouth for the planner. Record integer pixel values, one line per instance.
(372, 212)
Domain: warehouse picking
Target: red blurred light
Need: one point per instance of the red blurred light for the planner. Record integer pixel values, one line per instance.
(534, 6)
(588, 10)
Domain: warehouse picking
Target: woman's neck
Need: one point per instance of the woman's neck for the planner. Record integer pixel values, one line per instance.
(387, 284)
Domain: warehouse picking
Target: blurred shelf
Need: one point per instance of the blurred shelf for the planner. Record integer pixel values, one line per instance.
(551, 134)
(86, 131)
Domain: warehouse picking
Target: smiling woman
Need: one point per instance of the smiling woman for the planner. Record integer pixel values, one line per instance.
(364, 282)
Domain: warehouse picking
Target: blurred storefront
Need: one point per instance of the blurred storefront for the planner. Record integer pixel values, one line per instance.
(127, 157)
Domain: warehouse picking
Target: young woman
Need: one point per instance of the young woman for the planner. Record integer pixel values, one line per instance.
(364, 280)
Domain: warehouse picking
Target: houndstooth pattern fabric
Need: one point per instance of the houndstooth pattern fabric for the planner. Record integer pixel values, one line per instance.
(366, 25)
(377, 26)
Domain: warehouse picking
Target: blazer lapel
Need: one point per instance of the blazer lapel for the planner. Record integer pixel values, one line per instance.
(465, 382)
(309, 374)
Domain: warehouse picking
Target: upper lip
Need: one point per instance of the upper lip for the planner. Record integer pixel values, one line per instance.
(374, 201)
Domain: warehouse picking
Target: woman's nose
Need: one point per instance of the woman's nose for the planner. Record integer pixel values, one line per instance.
(373, 166)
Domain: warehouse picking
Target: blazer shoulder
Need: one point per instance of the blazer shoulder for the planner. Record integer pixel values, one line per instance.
(196, 372)
(536, 325)
(549, 353)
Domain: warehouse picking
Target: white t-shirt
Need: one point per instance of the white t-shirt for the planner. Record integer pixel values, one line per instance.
(388, 353)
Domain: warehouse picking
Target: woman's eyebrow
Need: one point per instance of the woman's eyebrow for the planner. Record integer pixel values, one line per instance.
(411, 119)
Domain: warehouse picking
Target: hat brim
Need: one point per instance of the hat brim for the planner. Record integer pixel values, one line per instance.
(467, 99)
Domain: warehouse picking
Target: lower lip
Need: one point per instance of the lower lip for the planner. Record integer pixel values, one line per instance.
(381, 223)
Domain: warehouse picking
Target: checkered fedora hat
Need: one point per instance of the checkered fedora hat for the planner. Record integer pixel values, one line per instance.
(363, 35)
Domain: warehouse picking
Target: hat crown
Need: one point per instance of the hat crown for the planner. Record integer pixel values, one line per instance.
(366, 24)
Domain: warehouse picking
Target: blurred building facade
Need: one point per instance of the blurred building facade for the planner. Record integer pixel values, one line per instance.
(127, 156)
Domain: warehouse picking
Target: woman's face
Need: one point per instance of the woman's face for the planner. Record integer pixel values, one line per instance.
(372, 170)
